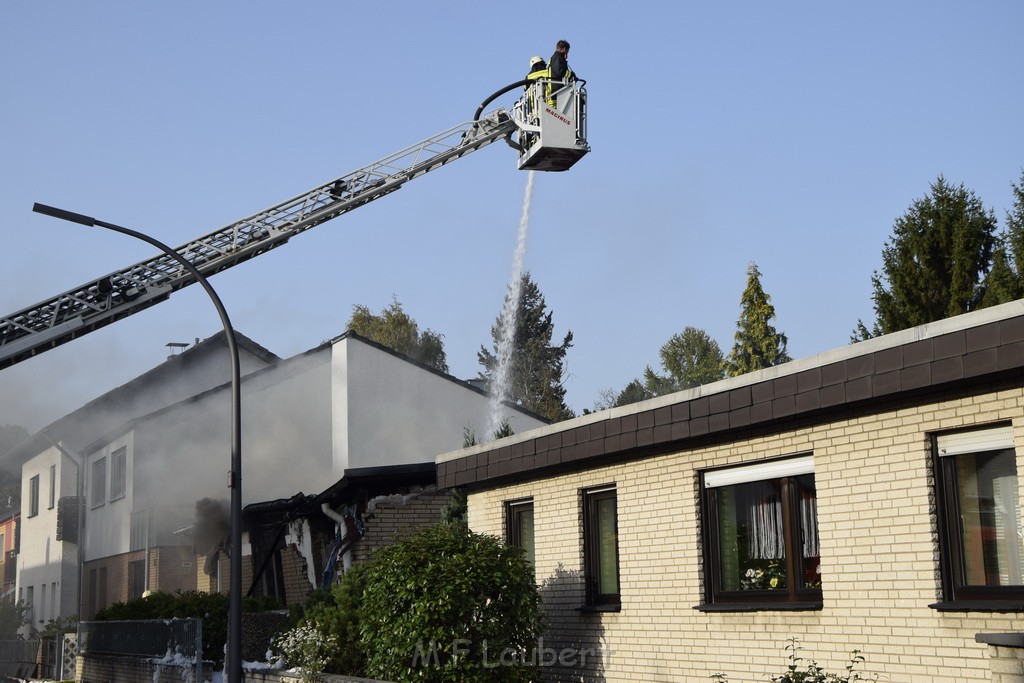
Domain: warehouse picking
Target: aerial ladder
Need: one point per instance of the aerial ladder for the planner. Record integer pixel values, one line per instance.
(549, 134)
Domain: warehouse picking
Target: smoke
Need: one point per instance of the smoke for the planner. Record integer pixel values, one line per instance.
(212, 528)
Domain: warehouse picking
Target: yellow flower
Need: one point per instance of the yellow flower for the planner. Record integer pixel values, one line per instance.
(774, 583)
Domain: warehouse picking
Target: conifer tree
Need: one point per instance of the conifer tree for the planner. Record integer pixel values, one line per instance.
(690, 358)
(758, 345)
(538, 366)
(1005, 282)
(935, 264)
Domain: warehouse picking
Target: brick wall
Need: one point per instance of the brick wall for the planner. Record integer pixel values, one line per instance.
(880, 563)
(171, 569)
(390, 518)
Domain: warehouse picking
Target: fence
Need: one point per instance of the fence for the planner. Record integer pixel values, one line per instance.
(175, 641)
(18, 658)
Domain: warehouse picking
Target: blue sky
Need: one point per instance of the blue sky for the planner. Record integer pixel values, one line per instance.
(791, 134)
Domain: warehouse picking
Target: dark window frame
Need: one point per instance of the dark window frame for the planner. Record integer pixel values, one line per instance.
(592, 559)
(33, 496)
(514, 509)
(795, 597)
(118, 473)
(53, 487)
(957, 595)
(98, 482)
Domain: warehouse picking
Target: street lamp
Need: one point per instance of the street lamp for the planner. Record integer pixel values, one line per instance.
(234, 665)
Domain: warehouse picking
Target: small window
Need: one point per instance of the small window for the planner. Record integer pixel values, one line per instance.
(118, 473)
(53, 486)
(980, 532)
(601, 547)
(99, 482)
(33, 496)
(519, 525)
(761, 531)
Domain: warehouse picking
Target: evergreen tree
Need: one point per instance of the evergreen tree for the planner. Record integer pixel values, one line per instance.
(1005, 282)
(935, 264)
(538, 367)
(395, 329)
(758, 345)
(691, 358)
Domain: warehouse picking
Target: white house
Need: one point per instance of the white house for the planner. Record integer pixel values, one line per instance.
(346, 407)
(49, 463)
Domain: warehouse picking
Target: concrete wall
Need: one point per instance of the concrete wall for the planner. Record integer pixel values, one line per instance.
(879, 557)
(395, 412)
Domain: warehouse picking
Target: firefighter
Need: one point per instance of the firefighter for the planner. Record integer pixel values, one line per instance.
(558, 68)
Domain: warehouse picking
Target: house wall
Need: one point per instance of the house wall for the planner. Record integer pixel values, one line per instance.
(879, 557)
(45, 564)
(390, 518)
(108, 528)
(106, 579)
(426, 413)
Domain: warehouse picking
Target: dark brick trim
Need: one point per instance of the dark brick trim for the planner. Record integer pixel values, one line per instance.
(991, 352)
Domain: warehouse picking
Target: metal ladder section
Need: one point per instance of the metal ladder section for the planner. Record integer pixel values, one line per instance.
(99, 302)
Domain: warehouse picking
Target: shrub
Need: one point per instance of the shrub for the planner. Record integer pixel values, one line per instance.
(306, 649)
(447, 604)
(801, 670)
(335, 614)
(212, 607)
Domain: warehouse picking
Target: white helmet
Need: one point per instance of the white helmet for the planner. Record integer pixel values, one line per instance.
(534, 61)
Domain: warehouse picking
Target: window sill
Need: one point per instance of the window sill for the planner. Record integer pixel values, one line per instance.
(599, 608)
(978, 606)
(759, 607)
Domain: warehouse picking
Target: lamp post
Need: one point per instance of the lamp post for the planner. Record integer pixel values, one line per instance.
(234, 664)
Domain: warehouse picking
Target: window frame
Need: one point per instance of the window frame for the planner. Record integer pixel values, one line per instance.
(514, 510)
(98, 482)
(53, 487)
(118, 473)
(795, 597)
(957, 595)
(33, 496)
(592, 558)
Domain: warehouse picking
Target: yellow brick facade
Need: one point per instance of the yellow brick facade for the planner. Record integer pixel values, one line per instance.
(879, 557)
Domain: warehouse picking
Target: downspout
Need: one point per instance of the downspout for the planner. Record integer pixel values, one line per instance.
(346, 558)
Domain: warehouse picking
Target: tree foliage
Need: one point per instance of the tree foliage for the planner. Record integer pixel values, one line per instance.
(935, 264)
(1005, 281)
(335, 614)
(690, 358)
(538, 366)
(447, 604)
(13, 615)
(757, 343)
(395, 329)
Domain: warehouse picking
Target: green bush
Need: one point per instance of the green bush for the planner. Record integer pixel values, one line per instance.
(335, 614)
(447, 604)
(801, 670)
(212, 607)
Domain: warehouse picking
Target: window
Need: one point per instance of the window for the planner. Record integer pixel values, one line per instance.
(136, 579)
(53, 486)
(519, 525)
(118, 473)
(99, 482)
(761, 534)
(33, 496)
(980, 532)
(138, 530)
(601, 547)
